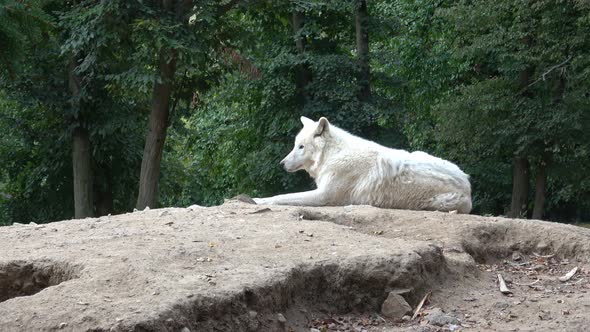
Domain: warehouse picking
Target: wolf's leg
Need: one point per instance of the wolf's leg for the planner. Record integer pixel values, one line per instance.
(452, 202)
(309, 198)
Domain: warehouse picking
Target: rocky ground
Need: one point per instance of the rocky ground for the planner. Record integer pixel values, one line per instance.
(243, 267)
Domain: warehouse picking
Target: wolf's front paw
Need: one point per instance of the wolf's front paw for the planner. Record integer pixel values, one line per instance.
(263, 201)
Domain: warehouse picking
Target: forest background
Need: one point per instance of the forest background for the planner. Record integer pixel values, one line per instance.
(107, 106)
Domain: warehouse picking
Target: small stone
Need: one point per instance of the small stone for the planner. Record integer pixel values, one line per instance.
(62, 325)
(544, 315)
(163, 213)
(281, 318)
(395, 306)
(501, 305)
(252, 314)
(516, 256)
(437, 317)
(424, 328)
(185, 329)
(406, 318)
(538, 267)
(314, 330)
(542, 246)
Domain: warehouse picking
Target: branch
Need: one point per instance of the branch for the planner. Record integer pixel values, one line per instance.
(29, 14)
(440, 3)
(231, 4)
(546, 73)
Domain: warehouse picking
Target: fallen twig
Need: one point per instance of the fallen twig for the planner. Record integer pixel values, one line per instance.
(543, 256)
(519, 264)
(420, 305)
(569, 275)
(529, 284)
(503, 287)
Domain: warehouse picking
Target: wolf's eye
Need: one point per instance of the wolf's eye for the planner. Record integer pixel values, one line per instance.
(301, 146)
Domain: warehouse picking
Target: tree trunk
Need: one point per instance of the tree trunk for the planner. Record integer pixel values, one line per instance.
(303, 73)
(103, 191)
(158, 124)
(82, 165)
(362, 49)
(520, 187)
(371, 130)
(520, 173)
(81, 152)
(540, 189)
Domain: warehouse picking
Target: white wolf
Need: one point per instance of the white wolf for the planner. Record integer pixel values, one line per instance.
(351, 170)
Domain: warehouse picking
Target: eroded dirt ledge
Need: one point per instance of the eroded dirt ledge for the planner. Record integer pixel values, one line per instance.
(237, 266)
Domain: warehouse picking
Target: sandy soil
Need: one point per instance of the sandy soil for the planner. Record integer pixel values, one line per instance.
(242, 267)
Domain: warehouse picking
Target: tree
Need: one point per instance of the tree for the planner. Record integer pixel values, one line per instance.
(22, 26)
(303, 74)
(81, 149)
(505, 65)
(540, 190)
(362, 49)
(158, 124)
(61, 116)
(520, 187)
(177, 15)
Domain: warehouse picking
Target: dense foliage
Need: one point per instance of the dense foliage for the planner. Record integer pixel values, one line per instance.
(484, 84)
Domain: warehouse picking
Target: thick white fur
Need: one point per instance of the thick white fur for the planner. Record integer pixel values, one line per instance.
(350, 170)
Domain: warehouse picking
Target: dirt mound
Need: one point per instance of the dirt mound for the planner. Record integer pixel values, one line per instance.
(242, 267)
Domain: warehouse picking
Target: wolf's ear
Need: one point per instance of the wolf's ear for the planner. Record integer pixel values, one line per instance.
(306, 121)
(323, 127)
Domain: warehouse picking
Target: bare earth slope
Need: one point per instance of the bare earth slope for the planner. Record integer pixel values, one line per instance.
(242, 267)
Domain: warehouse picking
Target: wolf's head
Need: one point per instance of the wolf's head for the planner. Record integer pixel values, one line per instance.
(309, 145)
